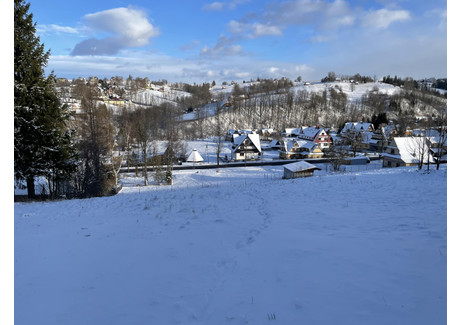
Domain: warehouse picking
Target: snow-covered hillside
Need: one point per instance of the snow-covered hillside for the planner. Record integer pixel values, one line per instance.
(353, 91)
(241, 246)
(156, 97)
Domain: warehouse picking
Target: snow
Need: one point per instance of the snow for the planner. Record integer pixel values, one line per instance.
(412, 149)
(353, 91)
(240, 246)
(255, 140)
(195, 156)
(299, 166)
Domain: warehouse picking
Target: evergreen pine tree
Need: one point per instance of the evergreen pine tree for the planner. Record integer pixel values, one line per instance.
(42, 142)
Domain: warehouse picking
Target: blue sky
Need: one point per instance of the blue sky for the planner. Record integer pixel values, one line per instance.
(201, 41)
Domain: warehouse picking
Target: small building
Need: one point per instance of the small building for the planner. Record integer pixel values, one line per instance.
(195, 157)
(299, 169)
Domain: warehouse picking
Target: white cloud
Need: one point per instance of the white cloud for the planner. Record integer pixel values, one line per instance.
(219, 5)
(159, 66)
(236, 27)
(52, 28)
(254, 30)
(215, 6)
(265, 30)
(220, 51)
(128, 28)
(224, 47)
(317, 13)
(322, 38)
(383, 18)
(303, 68)
(440, 15)
(190, 46)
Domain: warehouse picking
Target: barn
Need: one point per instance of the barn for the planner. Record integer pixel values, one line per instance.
(299, 169)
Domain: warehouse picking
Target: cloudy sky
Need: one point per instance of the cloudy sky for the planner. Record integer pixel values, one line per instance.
(201, 41)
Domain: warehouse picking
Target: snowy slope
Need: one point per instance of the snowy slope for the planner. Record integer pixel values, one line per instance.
(354, 92)
(156, 97)
(240, 246)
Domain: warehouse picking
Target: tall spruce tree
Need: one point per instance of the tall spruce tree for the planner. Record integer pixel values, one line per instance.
(42, 141)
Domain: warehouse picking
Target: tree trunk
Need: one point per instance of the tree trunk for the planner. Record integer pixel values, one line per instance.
(30, 187)
(146, 177)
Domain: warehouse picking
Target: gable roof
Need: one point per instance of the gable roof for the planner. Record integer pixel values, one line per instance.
(412, 148)
(275, 143)
(310, 145)
(356, 127)
(254, 138)
(288, 145)
(300, 166)
(311, 131)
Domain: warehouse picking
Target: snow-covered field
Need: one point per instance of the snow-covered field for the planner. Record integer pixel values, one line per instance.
(241, 246)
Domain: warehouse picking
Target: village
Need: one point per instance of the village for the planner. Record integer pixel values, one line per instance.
(190, 126)
(356, 144)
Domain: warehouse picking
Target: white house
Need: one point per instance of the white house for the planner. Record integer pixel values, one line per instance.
(246, 147)
(407, 151)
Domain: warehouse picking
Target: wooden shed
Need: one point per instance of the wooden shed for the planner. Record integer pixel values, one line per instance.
(299, 169)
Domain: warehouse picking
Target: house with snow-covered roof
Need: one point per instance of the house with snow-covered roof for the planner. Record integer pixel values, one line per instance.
(291, 132)
(229, 134)
(364, 140)
(407, 151)
(357, 134)
(317, 135)
(356, 127)
(266, 132)
(382, 136)
(438, 147)
(300, 149)
(275, 144)
(246, 147)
